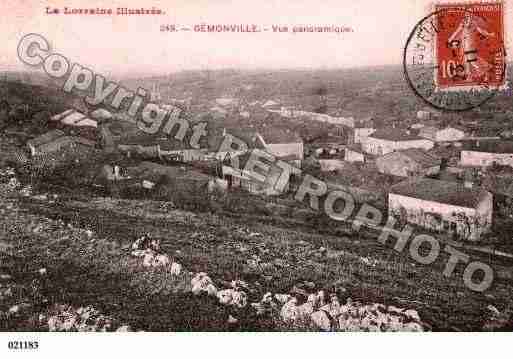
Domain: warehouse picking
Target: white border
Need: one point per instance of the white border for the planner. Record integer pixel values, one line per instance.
(260, 345)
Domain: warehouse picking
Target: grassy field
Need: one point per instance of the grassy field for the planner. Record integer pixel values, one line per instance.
(94, 268)
(83, 243)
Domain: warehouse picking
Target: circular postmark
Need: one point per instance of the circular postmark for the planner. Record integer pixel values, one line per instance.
(454, 58)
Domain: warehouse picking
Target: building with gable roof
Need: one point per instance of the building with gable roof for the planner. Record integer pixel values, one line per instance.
(388, 140)
(442, 206)
(484, 153)
(447, 134)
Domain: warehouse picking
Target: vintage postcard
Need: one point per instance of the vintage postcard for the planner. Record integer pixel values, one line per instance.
(236, 166)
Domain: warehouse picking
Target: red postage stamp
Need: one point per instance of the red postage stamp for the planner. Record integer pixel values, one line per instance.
(469, 48)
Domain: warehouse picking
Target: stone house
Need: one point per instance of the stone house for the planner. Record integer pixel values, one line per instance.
(35, 143)
(54, 141)
(408, 163)
(384, 141)
(447, 134)
(361, 130)
(444, 206)
(354, 153)
(234, 173)
(484, 153)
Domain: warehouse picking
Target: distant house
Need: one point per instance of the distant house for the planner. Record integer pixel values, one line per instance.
(237, 176)
(180, 152)
(487, 152)
(35, 143)
(107, 138)
(54, 141)
(147, 151)
(101, 114)
(424, 123)
(217, 110)
(227, 101)
(442, 206)
(427, 114)
(283, 144)
(329, 165)
(499, 185)
(315, 116)
(67, 141)
(62, 115)
(250, 137)
(72, 117)
(272, 105)
(354, 153)
(423, 115)
(161, 149)
(408, 163)
(384, 141)
(361, 130)
(446, 134)
(181, 179)
(110, 173)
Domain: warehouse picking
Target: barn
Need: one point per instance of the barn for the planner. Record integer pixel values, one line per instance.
(444, 206)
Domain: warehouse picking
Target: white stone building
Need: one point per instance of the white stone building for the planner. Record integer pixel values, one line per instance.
(443, 206)
(446, 134)
(384, 141)
(354, 153)
(485, 153)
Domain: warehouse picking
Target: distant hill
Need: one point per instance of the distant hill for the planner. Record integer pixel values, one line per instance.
(37, 97)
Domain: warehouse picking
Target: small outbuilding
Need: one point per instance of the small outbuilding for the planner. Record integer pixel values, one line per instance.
(408, 163)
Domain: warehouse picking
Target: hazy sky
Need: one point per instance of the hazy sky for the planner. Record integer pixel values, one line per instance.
(123, 44)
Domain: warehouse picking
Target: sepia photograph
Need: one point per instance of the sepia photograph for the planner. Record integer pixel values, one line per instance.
(250, 174)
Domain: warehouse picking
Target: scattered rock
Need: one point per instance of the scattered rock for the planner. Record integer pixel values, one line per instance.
(176, 268)
(40, 197)
(64, 318)
(289, 312)
(493, 310)
(201, 283)
(5, 277)
(412, 314)
(152, 259)
(15, 309)
(14, 183)
(232, 320)
(146, 242)
(232, 297)
(282, 298)
(26, 191)
(321, 320)
(239, 285)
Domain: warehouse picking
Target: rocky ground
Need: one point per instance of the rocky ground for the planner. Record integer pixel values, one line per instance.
(71, 265)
